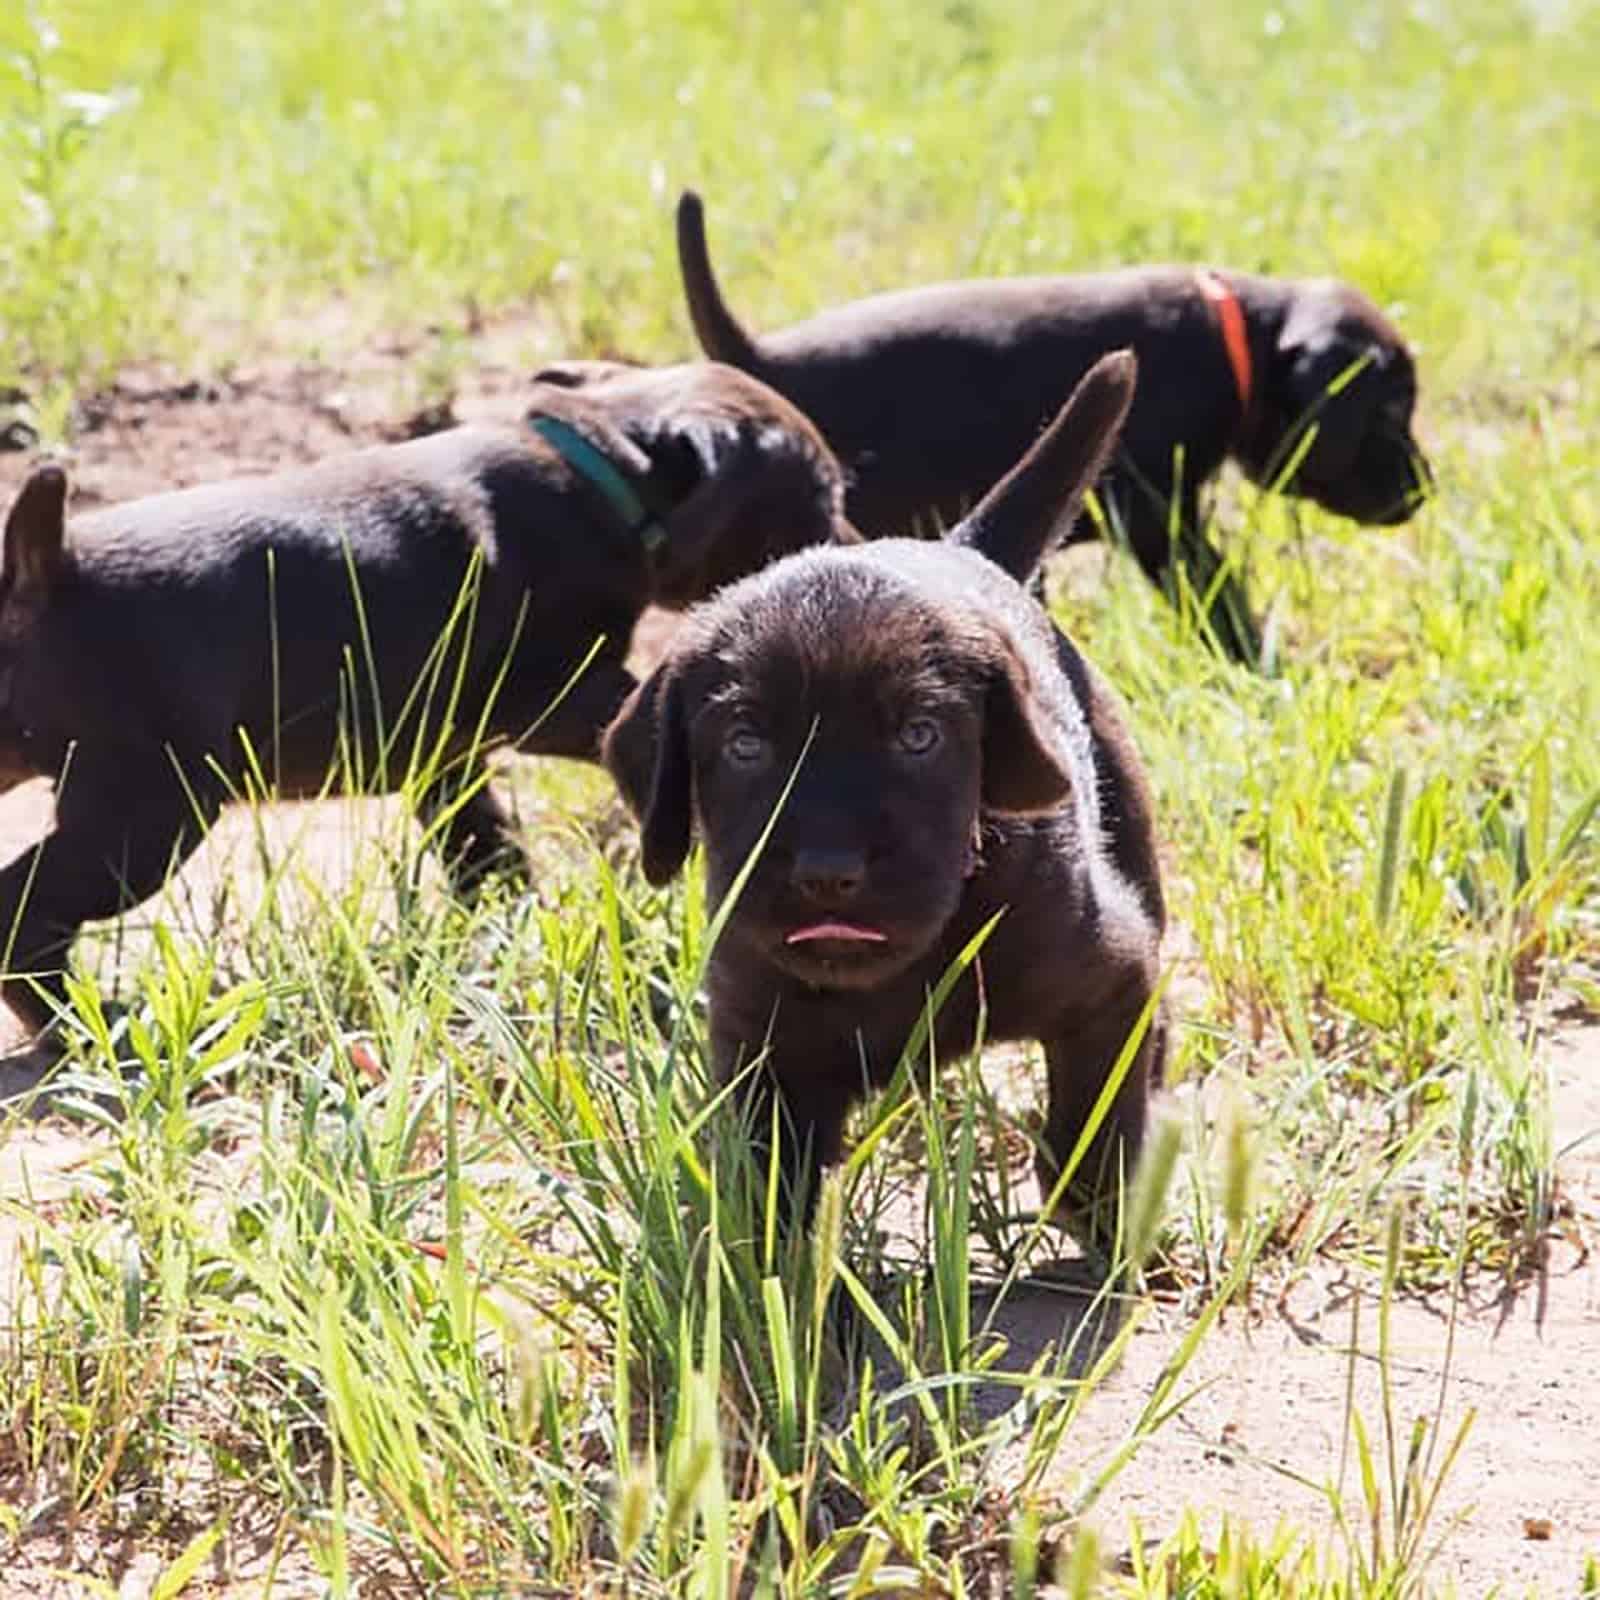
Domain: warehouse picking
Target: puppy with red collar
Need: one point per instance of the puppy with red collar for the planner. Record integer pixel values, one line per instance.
(927, 395)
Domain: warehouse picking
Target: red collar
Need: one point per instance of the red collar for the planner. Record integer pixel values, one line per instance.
(1235, 340)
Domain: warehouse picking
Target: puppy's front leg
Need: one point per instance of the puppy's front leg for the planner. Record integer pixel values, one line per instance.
(122, 826)
(810, 1138)
(573, 726)
(1080, 1059)
(1166, 548)
(476, 836)
(809, 1130)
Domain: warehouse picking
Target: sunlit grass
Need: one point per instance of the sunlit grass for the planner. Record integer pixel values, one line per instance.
(435, 159)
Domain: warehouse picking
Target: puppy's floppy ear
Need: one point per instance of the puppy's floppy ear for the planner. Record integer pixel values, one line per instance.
(780, 489)
(1027, 767)
(646, 750)
(1017, 522)
(731, 470)
(35, 529)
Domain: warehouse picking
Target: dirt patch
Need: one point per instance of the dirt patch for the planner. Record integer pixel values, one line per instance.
(40, 1168)
(157, 428)
(225, 879)
(1264, 1434)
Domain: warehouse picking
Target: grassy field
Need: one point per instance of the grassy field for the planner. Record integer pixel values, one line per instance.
(410, 1251)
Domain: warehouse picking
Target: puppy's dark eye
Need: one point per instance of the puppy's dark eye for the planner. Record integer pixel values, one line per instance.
(744, 747)
(918, 735)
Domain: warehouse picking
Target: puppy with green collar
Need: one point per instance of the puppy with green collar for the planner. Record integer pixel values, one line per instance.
(404, 605)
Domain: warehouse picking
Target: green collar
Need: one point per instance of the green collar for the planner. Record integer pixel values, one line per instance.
(607, 478)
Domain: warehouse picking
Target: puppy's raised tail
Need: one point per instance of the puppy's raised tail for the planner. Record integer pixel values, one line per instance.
(1018, 522)
(721, 334)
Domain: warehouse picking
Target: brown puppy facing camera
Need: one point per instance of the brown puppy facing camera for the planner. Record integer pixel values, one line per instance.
(927, 395)
(953, 759)
(398, 608)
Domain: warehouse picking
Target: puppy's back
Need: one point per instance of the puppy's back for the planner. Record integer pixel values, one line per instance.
(368, 499)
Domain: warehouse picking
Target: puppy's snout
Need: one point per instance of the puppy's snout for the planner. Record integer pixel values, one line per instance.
(829, 877)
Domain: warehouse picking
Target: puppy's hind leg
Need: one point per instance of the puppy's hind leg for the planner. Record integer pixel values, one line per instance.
(123, 824)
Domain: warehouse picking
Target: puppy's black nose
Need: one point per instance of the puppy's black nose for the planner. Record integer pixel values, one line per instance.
(829, 877)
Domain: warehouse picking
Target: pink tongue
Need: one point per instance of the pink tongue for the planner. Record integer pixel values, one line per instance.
(836, 930)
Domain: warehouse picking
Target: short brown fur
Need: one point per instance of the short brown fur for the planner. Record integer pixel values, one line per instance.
(928, 394)
(953, 759)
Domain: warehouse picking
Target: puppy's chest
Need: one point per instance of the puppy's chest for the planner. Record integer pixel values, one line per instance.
(1005, 992)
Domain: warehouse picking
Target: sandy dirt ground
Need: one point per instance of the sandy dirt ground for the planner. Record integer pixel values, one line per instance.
(1263, 1436)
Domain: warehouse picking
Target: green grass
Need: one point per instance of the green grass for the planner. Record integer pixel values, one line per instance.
(503, 1309)
(424, 158)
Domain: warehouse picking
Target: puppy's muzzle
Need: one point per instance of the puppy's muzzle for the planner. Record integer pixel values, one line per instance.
(825, 883)
(1422, 469)
(1417, 483)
